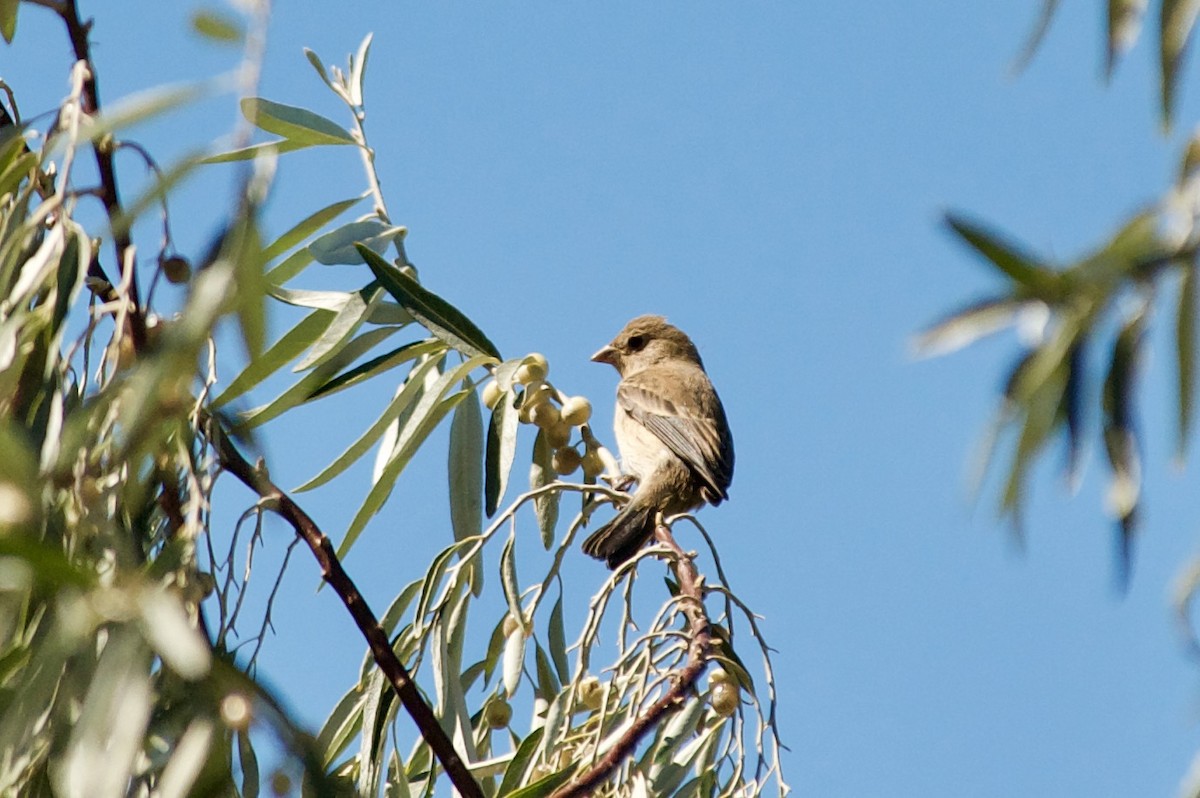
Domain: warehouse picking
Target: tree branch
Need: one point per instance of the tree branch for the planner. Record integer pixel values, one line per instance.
(333, 573)
(78, 31)
(691, 588)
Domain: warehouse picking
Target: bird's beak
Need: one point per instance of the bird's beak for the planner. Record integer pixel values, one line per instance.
(606, 355)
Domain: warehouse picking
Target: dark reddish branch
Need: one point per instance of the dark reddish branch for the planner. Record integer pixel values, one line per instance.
(333, 573)
(78, 32)
(692, 591)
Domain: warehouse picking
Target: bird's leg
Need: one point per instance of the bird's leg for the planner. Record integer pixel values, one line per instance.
(622, 482)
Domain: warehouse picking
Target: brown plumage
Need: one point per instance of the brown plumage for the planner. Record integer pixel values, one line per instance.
(671, 430)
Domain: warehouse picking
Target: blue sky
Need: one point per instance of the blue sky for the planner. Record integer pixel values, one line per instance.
(771, 177)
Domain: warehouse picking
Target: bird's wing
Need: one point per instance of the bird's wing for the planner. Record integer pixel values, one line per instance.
(683, 411)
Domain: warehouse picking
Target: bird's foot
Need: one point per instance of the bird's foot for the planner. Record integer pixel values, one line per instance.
(623, 482)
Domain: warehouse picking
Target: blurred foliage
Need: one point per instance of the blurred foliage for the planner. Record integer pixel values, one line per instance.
(128, 654)
(1083, 322)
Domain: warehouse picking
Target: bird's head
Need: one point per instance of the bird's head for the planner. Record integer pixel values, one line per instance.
(645, 341)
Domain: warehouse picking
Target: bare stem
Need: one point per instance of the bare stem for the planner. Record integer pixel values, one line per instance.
(333, 573)
(691, 593)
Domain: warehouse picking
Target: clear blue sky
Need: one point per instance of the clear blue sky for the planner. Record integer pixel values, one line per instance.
(771, 177)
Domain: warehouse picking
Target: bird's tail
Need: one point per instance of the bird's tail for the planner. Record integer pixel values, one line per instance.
(620, 538)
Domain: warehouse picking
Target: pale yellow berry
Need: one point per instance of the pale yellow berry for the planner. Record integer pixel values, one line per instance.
(724, 699)
(534, 397)
(566, 460)
(491, 395)
(592, 464)
(719, 676)
(576, 411)
(591, 693)
(533, 369)
(497, 713)
(545, 415)
(558, 435)
(281, 783)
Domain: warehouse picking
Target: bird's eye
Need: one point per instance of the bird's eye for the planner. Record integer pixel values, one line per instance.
(636, 342)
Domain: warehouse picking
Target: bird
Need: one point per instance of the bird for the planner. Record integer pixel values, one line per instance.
(671, 430)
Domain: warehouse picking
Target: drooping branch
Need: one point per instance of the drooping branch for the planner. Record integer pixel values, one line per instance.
(333, 573)
(691, 589)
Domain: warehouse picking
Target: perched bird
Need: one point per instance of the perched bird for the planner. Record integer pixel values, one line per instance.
(671, 430)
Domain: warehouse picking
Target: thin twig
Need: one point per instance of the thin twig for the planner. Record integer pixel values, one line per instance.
(333, 573)
(691, 592)
(77, 31)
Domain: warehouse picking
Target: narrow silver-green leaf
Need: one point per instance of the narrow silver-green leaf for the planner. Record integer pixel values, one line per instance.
(290, 266)
(143, 105)
(308, 226)
(248, 761)
(340, 246)
(1026, 270)
(514, 661)
(370, 753)
(465, 469)
(378, 365)
(406, 397)
(424, 418)
(391, 619)
(968, 325)
(304, 389)
(253, 151)
(293, 123)
(315, 60)
(1034, 41)
(342, 725)
(557, 641)
(542, 473)
(1177, 20)
(1041, 406)
(494, 649)
(548, 684)
(358, 70)
(510, 583)
(1185, 355)
(544, 787)
(501, 451)
(8, 19)
(1124, 23)
(436, 314)
(323, 300)
(514, 774)
(341, 330)
(218, 26)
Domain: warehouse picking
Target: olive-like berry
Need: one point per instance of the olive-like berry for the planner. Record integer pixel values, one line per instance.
(592, 464)
(720, 676)
(566, 460)
(591, 693)
(497, 713)
(558, 435)
(724, 699)
(533, 399)
(576, 411)
(545, 415)
(533, 369)
(491, 395)
(176, 269)
(281, 783)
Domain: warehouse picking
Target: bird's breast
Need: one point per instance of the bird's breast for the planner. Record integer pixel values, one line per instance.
(642, 452)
